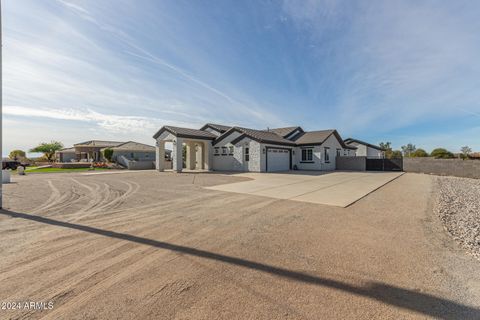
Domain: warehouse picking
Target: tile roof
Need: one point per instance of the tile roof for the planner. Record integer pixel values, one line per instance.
(67, 150)
(98, 143)
(263, 136)
(186, 133)
(271, 136)
(312, 137)
(319, 137)
(219, 127)
(350, 140)
(134, 146)
(283, 132)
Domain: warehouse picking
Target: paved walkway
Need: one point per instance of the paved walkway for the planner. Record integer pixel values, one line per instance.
(331, 188)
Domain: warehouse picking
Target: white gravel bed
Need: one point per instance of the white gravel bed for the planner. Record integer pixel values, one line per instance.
(458, 205)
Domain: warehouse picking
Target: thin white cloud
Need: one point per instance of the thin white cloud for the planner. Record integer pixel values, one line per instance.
(73, 6)
(258, 112)
(110, 122)
(404, 61)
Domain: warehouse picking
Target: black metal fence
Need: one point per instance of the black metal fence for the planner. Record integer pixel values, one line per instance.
(384, 164)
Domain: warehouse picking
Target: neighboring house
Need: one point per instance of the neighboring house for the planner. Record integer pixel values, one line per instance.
(365, 149)
(133, 155)
(85, 151)
(474, 155)
(93, 151)
(66, 155)
(224, 148)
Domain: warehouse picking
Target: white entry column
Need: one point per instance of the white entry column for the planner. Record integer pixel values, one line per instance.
(206, 155)
(160, 156)
(177, 155)
(191, 155)
(199, 156)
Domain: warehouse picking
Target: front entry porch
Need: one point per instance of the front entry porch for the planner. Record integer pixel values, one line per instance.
(191, 149)
(189, 154)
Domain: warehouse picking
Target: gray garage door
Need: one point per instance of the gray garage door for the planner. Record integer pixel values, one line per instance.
(278, 159)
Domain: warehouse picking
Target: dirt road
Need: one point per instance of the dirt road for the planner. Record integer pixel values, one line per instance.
(159, 246)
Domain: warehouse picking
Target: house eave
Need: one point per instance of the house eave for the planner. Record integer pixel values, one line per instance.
(180, 135)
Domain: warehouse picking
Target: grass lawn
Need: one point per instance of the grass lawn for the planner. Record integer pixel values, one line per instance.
(49, 170)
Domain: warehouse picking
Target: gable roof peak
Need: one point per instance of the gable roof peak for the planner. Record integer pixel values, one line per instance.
(350, 140)
(285, 131)
(218, 127)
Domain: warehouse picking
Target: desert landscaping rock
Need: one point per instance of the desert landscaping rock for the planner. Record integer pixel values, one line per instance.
(458, 205)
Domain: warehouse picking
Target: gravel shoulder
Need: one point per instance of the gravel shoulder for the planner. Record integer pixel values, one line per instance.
(457, 204)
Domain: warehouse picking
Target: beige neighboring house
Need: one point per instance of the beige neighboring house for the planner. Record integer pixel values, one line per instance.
(134, 155)
(365, 149)
(130, 154)
(91, 150)
(66, 155)
(231, 148)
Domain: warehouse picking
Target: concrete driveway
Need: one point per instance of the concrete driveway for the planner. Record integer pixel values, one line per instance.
(330, 188)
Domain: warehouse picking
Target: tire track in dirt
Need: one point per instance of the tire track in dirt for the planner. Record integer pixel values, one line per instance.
(70, 198)
(54, 196)
(146, 257)
(139, 217)
(106, 198)
(94, 195)
(100, 199)
(79, 273)
(44, 259)
(59, 202)
(82, 278)
(65, 247)
(132, 188)
(124, 264)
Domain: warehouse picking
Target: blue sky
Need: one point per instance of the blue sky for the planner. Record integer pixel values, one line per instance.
(399, 71)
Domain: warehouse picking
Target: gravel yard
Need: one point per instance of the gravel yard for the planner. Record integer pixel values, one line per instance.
(458, 205)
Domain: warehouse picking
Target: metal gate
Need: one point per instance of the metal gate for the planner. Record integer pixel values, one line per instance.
(384, 164)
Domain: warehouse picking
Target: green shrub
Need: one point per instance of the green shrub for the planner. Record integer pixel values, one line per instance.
(17, 155)
(441, 153)
(107, 154)
(419, 153)
(395, 154)
(48, 149)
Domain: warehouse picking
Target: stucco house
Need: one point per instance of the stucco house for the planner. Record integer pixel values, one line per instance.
(123, 152)
(365, 149)
(85, 151)
(225, 148)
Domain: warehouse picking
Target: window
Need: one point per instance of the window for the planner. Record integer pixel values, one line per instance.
(327, 156)
(231, 150)
(307, 155)
(224, 151)
(339, 152)
(217, 150)
(247, 154)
